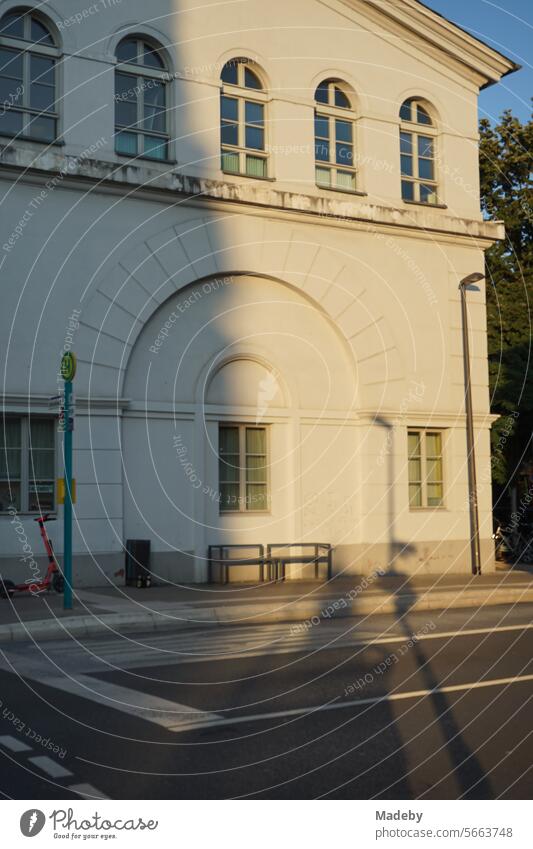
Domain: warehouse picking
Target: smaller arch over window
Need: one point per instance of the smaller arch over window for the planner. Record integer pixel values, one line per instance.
(334, 137)
(243, 105)
(28, 54)
(418, 138)
(141, 108)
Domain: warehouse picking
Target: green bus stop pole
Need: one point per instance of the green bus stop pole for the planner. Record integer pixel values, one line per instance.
(68, 370)
(67, 513)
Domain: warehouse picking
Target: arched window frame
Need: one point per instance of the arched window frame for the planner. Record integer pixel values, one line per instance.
(418, 152)
(243, 122)
(28, 102)
(137, 89)
(335, 137)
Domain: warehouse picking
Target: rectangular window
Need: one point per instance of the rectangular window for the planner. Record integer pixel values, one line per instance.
(243, 469)
(418, 172)
(27, 464)
(140, 116)
(426, 476)
(334, 146)
(242, 127)
(27, 95)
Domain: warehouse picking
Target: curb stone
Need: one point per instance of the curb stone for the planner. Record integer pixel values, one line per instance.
(184, 617)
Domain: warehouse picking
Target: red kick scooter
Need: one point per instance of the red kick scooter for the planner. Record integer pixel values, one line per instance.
(53, 578)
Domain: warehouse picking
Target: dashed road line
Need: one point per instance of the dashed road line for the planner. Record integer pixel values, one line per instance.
(53, 769)
(13, 744)
(87, 790)
(145, 706)
(340, 705)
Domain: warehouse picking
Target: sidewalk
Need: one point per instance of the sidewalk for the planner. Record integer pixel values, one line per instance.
(126, 609)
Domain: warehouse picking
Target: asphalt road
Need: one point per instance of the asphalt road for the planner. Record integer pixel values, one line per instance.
(343, 709)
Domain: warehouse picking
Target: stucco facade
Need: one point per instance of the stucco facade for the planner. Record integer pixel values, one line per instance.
(193, 297)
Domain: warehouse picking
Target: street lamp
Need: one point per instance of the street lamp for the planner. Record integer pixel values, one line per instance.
(468, 283)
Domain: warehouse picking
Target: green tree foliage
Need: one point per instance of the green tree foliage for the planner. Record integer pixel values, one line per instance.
(507, 195)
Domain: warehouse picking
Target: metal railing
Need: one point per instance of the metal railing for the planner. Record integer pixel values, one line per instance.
(273, 564)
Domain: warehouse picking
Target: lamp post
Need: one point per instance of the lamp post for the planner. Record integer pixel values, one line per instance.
(68, 371)
(466, 283)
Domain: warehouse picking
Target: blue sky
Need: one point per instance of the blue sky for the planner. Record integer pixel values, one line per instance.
(506, 25)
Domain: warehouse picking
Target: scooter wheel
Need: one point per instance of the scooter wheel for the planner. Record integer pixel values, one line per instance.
(58, 583)
(7, 588)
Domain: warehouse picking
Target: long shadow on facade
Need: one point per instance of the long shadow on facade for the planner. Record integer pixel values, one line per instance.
(469, 773)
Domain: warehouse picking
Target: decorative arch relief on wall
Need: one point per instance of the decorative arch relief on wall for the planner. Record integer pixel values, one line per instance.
(202, 249)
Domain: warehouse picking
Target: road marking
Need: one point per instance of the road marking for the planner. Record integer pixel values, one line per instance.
(298, 642)
(235, 643)
(49, 766)
(134, 702)
(87, 790)
(13, 744)
(123, 602)
(338, 705)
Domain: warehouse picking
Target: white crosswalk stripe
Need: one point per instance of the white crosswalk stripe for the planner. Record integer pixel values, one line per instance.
(207, 646)
(87, 790)
(70, 667)
(13, 744)
(159, 711)
(52, 768)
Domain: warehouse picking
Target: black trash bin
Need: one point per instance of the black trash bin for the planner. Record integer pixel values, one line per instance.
(138, 563)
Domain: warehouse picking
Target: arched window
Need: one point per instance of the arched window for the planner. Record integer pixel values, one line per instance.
(28, 54)
(334, 137)
(242, 120)
(141, 111)
(417, 153)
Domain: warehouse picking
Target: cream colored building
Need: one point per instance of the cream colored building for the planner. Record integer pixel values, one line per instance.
(249, 221)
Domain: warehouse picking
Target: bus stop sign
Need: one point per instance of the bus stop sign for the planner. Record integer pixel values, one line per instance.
(68, 366)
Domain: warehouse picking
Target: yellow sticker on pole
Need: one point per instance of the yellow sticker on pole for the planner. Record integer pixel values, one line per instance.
(61, 490)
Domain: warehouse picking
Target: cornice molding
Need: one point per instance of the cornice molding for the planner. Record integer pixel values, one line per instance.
(136, 179)
(436, 35)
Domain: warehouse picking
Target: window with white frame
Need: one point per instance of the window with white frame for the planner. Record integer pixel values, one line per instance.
(426, 472)
(334, 138)
(27, 464)
(418, 138)
(28, 97)
(141, 109)
(243, 104)
(243, 468)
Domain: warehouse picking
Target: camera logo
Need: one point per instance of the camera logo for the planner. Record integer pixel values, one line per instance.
(32, 822)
